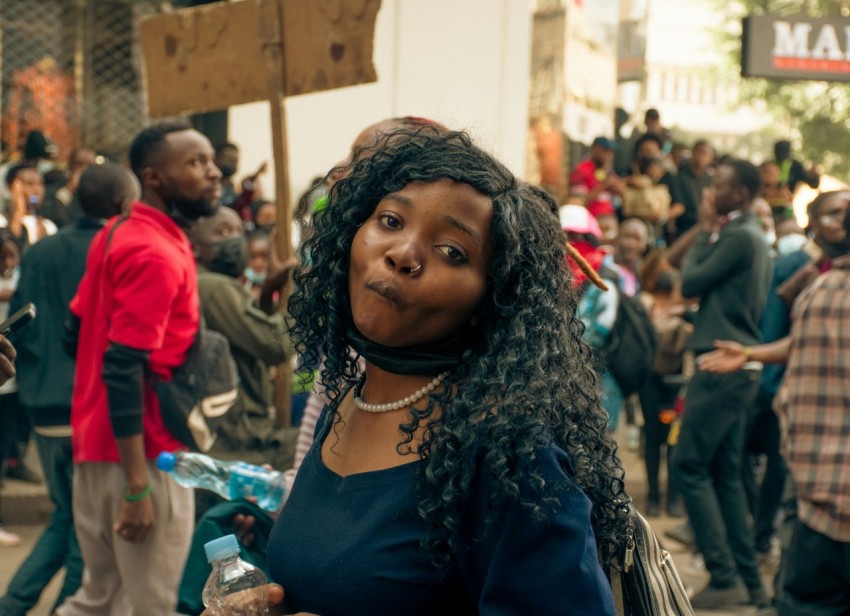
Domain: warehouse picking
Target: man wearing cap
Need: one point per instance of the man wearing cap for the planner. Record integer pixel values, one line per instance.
(594, 180)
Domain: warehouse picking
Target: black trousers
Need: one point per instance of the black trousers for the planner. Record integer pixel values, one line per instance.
(763, 437)
(707, 472)
(816, 576)
(656, 395)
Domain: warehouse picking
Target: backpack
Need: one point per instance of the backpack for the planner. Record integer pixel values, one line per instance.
(629, 349)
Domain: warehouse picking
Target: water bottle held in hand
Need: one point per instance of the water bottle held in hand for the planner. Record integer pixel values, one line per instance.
(235, 587)
(230, 480)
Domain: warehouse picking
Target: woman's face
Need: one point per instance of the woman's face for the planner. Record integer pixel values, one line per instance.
(419, 263)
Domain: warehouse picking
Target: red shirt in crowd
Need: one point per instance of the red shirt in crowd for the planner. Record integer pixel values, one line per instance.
(142, 294)
(585, 177)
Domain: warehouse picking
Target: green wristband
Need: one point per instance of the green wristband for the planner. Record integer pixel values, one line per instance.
(137, 497)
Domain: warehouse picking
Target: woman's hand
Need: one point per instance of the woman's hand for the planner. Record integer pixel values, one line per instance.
(274, 600)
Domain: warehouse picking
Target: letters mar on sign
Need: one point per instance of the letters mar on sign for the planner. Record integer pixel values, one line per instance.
(796, 48)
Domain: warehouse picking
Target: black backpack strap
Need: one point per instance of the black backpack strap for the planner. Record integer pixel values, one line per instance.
(109, 235)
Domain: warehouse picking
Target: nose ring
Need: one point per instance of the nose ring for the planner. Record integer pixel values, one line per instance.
(416, 269)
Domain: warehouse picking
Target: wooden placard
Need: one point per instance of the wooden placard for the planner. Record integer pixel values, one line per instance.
(203, 58)
(328, 44)
(211, 57)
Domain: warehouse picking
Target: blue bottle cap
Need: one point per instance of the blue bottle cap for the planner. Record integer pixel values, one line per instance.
(166, 461)
(221, 547)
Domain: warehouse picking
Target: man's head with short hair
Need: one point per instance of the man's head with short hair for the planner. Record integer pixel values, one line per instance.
(602, 151)
(652, 119)
(702, 154)
(227, 159)
(149, 143)
(106, 190)
(649, 145)
(38, 145)
(736, 183)
(174, 165)
(782, 150)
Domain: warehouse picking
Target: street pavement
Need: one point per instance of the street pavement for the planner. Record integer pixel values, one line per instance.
(25, 508)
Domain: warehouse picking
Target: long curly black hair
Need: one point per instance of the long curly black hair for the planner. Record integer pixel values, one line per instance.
(528, 371)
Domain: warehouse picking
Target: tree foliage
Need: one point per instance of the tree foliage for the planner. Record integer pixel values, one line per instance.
(815, 115)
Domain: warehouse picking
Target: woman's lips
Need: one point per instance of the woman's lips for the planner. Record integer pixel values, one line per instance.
(387, 291)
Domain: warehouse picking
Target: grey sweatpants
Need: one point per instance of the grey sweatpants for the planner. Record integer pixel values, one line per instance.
(122, 578)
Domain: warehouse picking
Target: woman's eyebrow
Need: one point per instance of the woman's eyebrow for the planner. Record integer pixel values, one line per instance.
(463, 227)
(399, 198)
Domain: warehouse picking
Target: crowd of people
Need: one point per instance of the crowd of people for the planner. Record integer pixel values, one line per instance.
(735, 289)
(452, 445)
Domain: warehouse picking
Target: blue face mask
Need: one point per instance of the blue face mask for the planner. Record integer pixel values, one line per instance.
(792, 242)
(254, 277)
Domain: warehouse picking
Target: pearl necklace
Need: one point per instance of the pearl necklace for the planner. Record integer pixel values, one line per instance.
(392, 406)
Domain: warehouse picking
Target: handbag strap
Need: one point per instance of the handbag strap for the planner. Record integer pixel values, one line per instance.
(109, 235)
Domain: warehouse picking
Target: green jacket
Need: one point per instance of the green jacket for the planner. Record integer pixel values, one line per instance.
(257, 341)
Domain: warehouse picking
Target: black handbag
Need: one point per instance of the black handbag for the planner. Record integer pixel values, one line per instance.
(201, 390)
(647, 583)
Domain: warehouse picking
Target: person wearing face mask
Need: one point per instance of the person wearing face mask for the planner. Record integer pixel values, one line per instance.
(256, 273)
(764, 213)
(227, 160)
(789, 237)
(136, 314)
(257, 340)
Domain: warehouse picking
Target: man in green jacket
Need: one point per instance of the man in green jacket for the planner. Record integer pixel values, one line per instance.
(258, 341)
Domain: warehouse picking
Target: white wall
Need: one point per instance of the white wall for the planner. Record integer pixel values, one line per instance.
(465, 63)
(682, 58)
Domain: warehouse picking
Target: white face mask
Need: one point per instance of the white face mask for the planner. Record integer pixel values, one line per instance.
(770, 237)
(792, 242)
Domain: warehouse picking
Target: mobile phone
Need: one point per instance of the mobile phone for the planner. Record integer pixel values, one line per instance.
(17, 320)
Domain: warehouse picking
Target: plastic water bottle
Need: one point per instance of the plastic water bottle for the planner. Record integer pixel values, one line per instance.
(230, 480)
(235, 587)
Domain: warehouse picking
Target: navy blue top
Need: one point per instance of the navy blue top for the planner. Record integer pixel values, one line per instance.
(350, 545)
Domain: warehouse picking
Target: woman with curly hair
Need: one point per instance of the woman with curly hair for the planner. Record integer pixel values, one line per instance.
(468, 468)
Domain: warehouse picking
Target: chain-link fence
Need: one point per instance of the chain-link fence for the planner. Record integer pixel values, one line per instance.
(72, 69)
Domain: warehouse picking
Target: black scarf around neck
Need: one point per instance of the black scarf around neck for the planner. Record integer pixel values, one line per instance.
(423, 359)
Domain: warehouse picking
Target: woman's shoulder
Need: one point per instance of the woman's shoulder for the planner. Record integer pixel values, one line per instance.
(542, 458)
